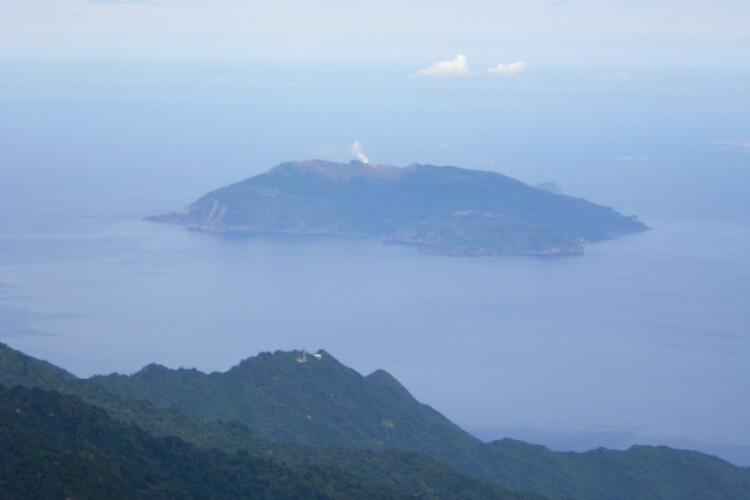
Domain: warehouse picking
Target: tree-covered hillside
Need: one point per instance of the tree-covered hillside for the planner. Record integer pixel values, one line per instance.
(414, 474)
(55, 446)
(321, 401)
(373, 429)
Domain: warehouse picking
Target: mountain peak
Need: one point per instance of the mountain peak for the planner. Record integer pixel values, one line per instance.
(444, 210)
(338, 171)
(327, 403)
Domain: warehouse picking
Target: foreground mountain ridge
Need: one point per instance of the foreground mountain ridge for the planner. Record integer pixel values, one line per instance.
(359, 473)
(56, 446)
(444, 210)
(274, 392)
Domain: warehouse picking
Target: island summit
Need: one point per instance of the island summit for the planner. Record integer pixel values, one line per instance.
(443, 210)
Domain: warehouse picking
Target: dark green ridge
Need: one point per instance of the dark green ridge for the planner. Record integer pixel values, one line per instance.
(272, 392)
(56, 446)
(416, 475)
(322, 401)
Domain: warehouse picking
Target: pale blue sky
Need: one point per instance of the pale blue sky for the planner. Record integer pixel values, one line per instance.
(617, 33)
(577, 91)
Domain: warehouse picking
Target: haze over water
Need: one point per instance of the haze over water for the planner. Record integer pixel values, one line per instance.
(641, 340)
(644, 339)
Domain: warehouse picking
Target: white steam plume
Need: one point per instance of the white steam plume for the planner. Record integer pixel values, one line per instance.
(357, 151)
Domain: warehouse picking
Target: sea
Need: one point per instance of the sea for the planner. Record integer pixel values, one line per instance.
(644, 339)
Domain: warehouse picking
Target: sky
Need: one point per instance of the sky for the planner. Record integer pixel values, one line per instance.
(538, 89)
(483, 61)
(619, 33)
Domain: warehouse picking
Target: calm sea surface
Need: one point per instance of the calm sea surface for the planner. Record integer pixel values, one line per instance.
(643, 339)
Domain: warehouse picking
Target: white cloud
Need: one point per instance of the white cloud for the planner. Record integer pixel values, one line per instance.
(729, 143)
(624, 76)
(457, 67)
(357, 150)
(508, 69)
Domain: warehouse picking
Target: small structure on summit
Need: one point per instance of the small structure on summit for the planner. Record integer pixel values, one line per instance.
(303, 358)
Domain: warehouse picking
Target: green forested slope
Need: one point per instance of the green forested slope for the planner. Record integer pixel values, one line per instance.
(411, 473)
(324, 402)
(55, 446)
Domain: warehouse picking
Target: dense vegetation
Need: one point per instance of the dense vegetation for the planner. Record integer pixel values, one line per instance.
(324, 402)
(445, 210)
(387, 434)
(55, 446)
(396, 471)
